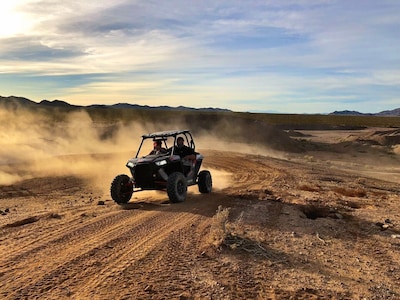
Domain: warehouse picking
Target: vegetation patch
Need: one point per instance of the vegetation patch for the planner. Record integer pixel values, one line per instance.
(219, 227)
(230, 235)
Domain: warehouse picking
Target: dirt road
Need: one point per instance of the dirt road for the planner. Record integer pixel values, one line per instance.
(272, 229)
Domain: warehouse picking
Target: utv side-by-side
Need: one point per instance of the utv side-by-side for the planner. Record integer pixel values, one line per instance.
(166, 171)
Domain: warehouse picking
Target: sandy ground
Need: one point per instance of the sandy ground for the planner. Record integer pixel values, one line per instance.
(324, 224)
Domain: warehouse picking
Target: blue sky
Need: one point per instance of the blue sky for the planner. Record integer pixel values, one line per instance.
(261, 56)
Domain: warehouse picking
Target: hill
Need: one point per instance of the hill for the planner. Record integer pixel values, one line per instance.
(204, 117)
(394, 112)
(14, 102)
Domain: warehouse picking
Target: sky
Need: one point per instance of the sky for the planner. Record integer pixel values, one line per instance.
(281, 56)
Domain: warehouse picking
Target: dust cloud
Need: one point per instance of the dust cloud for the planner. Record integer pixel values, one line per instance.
(39, 145)
(221, 179)
(33, 144)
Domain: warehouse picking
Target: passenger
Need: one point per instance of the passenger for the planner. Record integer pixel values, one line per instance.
(184, 151)
(157, 148)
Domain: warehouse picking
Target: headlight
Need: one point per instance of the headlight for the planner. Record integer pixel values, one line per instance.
(130, 164)
(161, 163)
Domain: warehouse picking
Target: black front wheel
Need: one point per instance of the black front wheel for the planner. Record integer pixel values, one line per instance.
(176, 187)
(204, 182)
(121, 189)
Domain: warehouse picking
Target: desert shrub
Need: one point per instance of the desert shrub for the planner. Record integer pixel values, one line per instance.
(225, 233)
(233, 236)
(218, 230)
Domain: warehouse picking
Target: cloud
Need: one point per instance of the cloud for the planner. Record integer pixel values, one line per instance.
(259, 50)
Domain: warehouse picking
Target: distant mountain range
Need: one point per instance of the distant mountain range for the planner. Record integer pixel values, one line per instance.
(14, 102)
(394, 113)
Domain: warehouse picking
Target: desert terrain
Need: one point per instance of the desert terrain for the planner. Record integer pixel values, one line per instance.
(321, 223)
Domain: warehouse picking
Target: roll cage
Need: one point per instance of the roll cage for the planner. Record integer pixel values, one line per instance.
(164, 135)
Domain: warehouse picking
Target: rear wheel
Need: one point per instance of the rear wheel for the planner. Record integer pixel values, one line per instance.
(204, 182)
(176, 187)
(121, 189)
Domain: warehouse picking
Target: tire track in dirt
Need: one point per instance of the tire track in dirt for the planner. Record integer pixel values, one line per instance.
(56, 249)
(255, 176)
(151, 248)
(137, 236)
(62, 232)
(169, 266)
(50, 231)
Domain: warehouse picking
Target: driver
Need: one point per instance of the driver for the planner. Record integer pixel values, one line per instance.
(157, 148)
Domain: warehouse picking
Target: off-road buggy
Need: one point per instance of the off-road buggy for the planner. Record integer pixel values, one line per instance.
(165, 171)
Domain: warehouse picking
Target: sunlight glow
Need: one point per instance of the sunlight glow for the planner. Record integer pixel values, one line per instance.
(13, 21)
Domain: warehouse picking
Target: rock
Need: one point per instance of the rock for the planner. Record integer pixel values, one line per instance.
(101, 202)
(338, 216)
(384, 226)
(55, 216)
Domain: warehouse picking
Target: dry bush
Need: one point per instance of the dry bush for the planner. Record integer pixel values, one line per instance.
(350, 192)
(233, 235)
(221, 230)
(218, 230)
